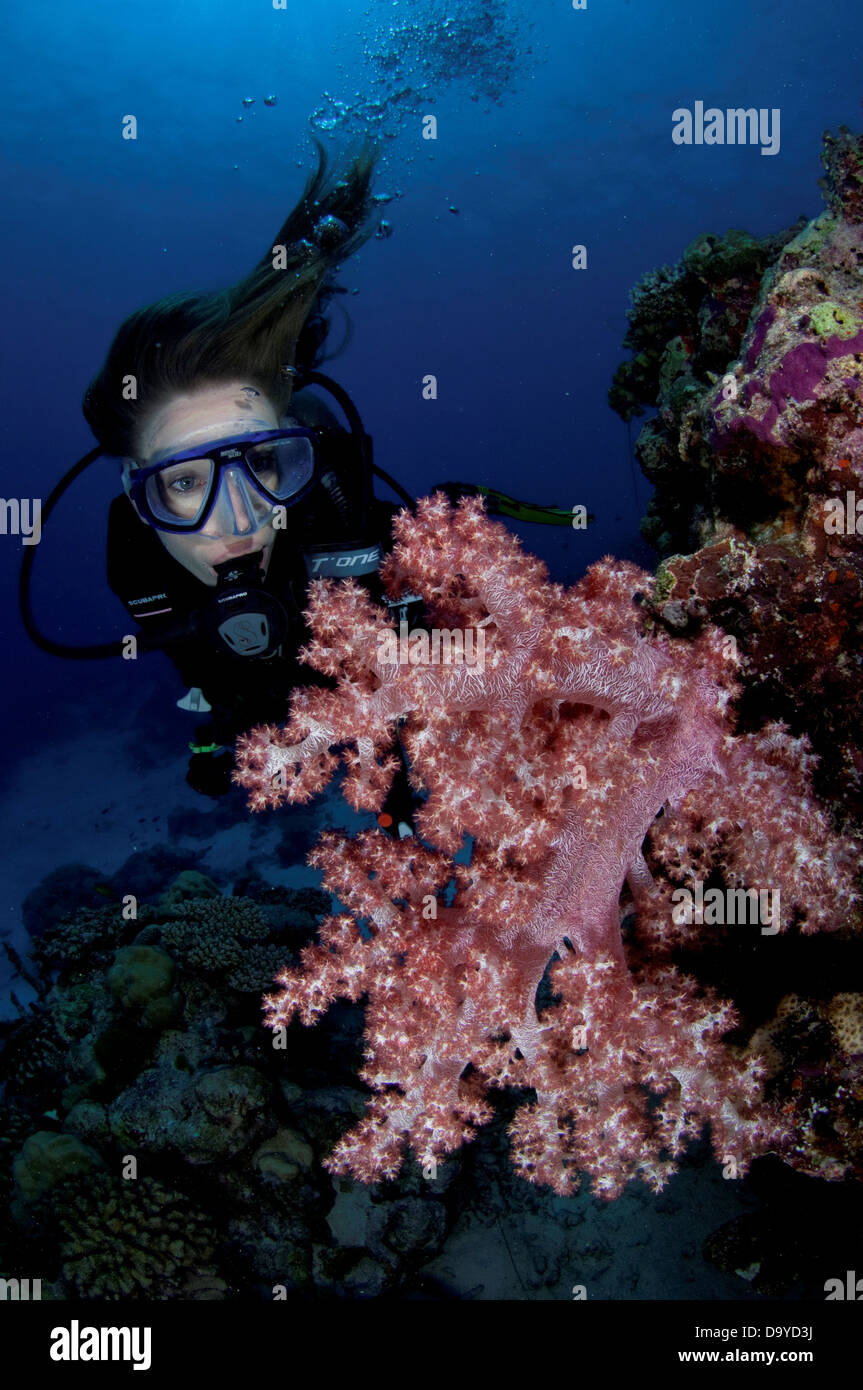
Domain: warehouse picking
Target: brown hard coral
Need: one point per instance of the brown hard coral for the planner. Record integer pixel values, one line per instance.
(813, 1051)
(845, 1013)
(132, 1240)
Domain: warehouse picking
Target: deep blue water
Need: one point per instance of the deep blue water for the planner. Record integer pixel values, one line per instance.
(567, 143)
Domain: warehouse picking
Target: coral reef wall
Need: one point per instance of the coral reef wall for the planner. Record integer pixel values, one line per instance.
(751, 352)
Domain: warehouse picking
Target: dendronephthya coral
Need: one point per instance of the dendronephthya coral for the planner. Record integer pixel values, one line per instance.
(556, 756)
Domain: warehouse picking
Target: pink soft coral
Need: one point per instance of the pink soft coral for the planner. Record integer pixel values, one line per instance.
(556, 757)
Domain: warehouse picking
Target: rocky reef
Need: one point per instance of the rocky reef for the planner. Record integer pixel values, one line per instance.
(750, 350)
(154, 1143)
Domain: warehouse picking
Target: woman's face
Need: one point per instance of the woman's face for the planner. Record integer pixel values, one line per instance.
(204, 416)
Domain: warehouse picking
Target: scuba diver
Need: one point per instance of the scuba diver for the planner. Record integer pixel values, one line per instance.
(239, 483)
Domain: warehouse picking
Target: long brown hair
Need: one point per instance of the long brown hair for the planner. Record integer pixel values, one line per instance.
(248, 331)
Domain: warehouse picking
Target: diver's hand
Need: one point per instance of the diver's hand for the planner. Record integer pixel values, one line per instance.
(210, 773)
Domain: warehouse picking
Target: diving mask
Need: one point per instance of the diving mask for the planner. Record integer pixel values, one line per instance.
(231, 488)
